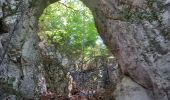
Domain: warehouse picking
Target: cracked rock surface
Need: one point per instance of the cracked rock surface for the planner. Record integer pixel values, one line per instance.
(140, 44)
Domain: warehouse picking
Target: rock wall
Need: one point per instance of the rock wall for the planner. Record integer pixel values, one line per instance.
(55, 68)
(136, 32)
(99, 82)
(130, 90)
(105, 74)
(19, 51)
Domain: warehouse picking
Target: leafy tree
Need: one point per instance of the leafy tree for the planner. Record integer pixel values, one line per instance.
(70, 26)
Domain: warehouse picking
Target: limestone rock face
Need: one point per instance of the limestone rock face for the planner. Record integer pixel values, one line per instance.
(20, 56)
(136, 32)
(140, 44)
(55, 67)
(129, 90)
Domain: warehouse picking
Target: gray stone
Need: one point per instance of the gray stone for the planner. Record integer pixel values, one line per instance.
(140, 46)
(129, 90)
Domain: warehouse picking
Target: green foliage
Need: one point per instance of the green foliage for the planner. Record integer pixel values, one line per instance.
(70, 26)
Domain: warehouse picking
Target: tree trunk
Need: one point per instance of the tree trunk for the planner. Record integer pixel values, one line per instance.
(136, 32)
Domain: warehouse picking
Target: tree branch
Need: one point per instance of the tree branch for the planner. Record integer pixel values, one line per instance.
(68, 6)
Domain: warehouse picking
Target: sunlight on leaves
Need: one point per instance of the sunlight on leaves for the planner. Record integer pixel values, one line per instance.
(70, 25)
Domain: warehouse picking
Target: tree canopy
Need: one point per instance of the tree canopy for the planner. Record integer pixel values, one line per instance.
(70, 26)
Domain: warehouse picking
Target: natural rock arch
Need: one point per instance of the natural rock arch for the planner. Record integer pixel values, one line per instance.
(142, 48)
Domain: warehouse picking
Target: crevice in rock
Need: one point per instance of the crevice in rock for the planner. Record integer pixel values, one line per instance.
(3, 27)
